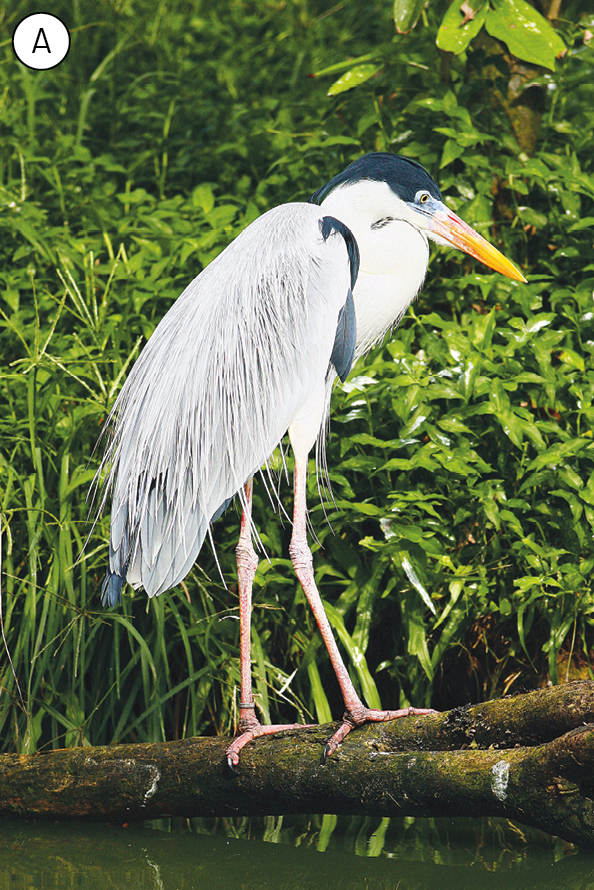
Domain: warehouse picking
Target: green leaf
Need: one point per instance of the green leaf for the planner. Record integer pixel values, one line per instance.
(406, 14)
(512, 520)
(339, 140)
(356, 657)
(586, 223)
(457, 29)
(340, 66)
(556, 454)
(527, 34)
(533, 217)
(417, 584)
(573, 359)
(323, 712)
(353, 78)
(138, 196)
(203, 197)
(451, 152)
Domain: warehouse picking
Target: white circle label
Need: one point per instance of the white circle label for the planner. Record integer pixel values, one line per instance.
(41, 41)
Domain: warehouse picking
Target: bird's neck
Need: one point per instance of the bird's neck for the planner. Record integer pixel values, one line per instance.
(393, 262)
(380, 303)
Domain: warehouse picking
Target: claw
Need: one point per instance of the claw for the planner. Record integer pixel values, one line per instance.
(255, 731)
(362, 715)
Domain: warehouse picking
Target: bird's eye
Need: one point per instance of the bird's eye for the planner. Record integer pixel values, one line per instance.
(423, 197)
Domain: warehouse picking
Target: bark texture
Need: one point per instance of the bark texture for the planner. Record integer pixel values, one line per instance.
(528, 757)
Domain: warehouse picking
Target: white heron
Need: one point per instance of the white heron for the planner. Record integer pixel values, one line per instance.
(249, 352)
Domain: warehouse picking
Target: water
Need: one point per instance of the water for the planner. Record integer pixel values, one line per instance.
(289, 853)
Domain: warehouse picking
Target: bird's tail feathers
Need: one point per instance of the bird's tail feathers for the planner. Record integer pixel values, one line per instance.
(111, 591)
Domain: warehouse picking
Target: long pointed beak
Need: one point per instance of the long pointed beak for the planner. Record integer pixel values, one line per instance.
(445, 224)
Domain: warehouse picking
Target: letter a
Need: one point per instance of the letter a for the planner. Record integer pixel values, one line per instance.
(38, 42)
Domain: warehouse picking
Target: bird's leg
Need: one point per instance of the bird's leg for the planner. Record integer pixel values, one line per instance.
(355, 711)
(247, 563)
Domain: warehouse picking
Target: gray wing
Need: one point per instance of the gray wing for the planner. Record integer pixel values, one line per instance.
(217, 386)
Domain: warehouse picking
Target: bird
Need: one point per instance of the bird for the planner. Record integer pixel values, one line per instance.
(250, 351)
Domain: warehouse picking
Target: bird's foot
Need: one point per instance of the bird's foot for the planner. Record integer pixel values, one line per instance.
(251, 728)
(358, 715)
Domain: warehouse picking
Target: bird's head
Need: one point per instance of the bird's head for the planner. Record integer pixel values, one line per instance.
(391, 188)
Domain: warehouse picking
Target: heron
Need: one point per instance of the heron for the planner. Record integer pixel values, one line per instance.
(250, 351)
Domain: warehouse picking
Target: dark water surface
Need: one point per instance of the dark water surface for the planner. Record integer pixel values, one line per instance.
(313, 853)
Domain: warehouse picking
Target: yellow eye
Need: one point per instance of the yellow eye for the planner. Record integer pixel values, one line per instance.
(424, 198)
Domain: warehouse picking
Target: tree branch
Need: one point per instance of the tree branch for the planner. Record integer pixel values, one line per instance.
(528, 757)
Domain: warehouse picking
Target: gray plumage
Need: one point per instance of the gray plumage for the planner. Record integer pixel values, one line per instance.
(217, 386)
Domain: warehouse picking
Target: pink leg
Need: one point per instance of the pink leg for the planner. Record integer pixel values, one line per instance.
(247, 563)
(355, 712)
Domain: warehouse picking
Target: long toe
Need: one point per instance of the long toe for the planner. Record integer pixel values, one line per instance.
(368, 715)
(254, 732)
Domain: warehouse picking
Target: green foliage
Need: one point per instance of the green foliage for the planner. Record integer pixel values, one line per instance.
(458, 559)
(457, 30)
(355, 76)
(525, 32)
(516, 23)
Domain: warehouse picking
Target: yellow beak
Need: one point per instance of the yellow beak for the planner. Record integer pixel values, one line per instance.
(455, 231)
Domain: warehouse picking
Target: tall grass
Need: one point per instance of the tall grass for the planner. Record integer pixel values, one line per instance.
(457, 561)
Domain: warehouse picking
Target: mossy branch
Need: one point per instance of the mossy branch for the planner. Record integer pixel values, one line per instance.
(529, 757)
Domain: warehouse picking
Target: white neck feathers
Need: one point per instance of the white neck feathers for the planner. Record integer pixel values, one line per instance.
(394, 255)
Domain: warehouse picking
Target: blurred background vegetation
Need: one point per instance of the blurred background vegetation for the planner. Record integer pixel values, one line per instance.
(456, 559)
